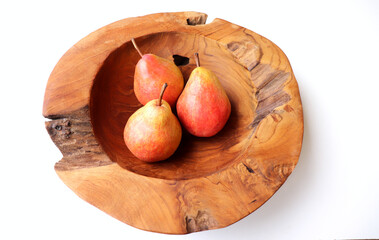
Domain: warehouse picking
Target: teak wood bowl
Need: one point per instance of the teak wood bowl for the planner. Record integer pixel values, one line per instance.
(208, 183)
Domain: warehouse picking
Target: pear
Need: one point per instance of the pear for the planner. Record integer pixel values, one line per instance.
(203, 107)
(151, 73)
(153, 132)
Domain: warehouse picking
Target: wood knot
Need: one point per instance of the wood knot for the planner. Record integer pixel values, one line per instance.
(59, 128)
(202, 221)
(288, 108)
(279, 173)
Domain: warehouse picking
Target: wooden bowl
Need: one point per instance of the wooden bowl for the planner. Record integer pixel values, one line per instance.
(208, 183)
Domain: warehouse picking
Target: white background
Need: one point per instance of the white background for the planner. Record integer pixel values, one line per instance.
(333, 49)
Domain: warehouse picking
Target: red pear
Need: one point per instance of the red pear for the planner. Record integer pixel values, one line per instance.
(151, 73)
(153, 133)
(203, 107)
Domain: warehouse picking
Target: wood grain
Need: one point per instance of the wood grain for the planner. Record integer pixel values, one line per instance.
(73, 135)
(208, 183)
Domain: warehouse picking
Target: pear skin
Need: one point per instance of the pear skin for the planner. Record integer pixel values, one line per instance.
(153, 133)
(151, 73)
(203, 107)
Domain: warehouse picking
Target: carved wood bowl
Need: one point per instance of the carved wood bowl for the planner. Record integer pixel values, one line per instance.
(208, 183)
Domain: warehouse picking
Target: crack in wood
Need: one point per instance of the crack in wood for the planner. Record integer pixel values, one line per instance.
(248, 168)
(198, 19)
(180, 60)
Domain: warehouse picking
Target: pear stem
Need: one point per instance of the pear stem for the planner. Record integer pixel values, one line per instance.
(197, 60)
(161, 94)
(136, 47)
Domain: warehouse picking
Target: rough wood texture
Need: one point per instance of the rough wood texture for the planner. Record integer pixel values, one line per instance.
(73, 135)
(208, 183)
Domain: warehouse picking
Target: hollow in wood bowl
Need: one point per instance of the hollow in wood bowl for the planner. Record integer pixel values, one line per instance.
(208, 183)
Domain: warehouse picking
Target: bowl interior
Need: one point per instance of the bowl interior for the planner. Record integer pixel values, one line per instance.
(113, 102)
